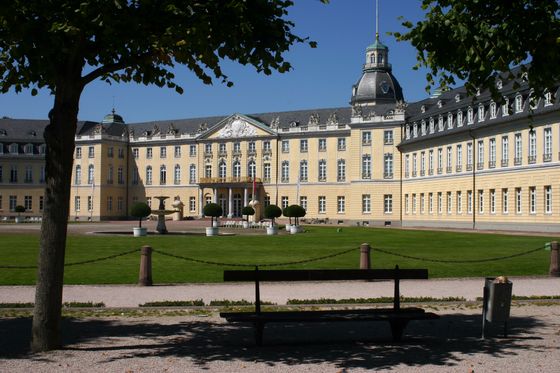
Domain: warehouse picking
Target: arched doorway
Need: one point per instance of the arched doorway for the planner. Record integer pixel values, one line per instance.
(237, 205)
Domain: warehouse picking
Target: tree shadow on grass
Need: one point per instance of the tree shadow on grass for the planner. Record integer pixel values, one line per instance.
(349, 345)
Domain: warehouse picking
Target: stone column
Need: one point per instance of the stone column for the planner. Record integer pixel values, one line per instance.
(145, 278)
(215, 195)
(201, 202)
(245, 197)
(365, 261)
(230, 204)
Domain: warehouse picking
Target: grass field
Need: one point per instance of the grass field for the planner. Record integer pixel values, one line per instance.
(262, 249)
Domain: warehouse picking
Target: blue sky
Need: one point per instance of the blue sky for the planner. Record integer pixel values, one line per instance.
(321, 78)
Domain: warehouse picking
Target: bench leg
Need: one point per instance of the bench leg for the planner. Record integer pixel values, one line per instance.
(259, 330)
(397, 328)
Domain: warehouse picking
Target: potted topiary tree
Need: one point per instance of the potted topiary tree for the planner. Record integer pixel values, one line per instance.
(140, 210)
(214, 211)
(272, 212)
(297, 212)
(19, 209)
(247, 210)
(286, 212)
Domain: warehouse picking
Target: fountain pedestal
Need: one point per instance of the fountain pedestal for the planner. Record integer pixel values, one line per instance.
(161, 212)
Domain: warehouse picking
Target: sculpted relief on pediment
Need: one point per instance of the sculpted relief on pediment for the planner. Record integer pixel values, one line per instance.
(236, 127)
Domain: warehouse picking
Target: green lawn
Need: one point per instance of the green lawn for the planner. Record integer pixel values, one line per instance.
(319, 242)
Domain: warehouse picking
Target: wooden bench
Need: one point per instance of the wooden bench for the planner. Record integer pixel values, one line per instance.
(397, 317)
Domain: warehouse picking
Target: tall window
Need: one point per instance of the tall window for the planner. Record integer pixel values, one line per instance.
(532, 146)
(285, 146)
(90, 203)
(149, 175)
(177, 152)
(492, 201)
(449, 203)
(505, 151)
(77, 203)
(78, 175)
(120, 204)
(480, 155)
(208, 171)
(449, 164)
(341, 170)
(110, 174)
(469, 156)
(28, 202)
(13, 203)
(414, 164)
(532, 200)
(222, 169)
(518, 200)
(366, 203)
(422, 203)
(388, 137)
(422, 163)
(366, 138)
(285, 171)
(469, 202)
(459, 202)
(192, 204)
(547, 199)
(192, 150)
(322, 170)
(109, 203)
(481, 201)
(431, 162)
(459, 158)
(303, 146)
(14, 170)
(135, 175)
(120, 175)
(163, 152)
(341, 204)
(236, 169)
(162, 175)
(406, 210)
(91, 174)
(440, 160)
(149, 153)
(267, 173)
(414, 203)
(505, 200)
(492, 153)
(303, 202)
(91, 152)
(303, 171)
(440, 202)
(322, 204)
(177, 174)
(388, 203)
(192, 173)
(430, 203)
(322, 145)
(547, 148)
(266, 146)
(406, 165)
(518, 149)
(78, 152)
(388, 166)
(252, 169)
(366, 166)
(341, 143)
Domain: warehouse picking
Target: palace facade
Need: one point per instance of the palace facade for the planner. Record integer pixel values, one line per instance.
(446, 161)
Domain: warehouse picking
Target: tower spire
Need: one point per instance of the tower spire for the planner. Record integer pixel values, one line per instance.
(377, 20)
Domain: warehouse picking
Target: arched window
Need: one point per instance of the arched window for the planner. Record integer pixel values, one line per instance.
(149, 175)
(236, 169)
(449, 121)
(162, 175)
(222, 169)
(177, 175)
(252, 169)
(91, 174)
(78, 175)
(303, 171)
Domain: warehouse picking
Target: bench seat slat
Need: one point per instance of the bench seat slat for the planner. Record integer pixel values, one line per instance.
(325, 275)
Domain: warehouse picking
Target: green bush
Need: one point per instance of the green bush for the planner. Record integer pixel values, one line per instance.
(19, 209)
(248, 210)
(140, 210)
(272, 212)
(296, 212)
(214, 211)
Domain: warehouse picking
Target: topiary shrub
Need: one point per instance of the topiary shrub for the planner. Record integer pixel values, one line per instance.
(248, 210)
(140, 210)
(214, 211)
(19, 209)
(297, 212)
(272, 212)
(286, 212)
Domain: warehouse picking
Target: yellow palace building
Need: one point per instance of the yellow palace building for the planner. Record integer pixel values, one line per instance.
(446, 161)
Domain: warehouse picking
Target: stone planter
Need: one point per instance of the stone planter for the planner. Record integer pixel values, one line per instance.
(140, 232)
(272, 231)
(19, 220)
(297, 229)
(288, 227)
(246, 224)
(211, 231)
(216, 224)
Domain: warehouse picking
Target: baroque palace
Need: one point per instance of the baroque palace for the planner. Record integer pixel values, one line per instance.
(447, 161)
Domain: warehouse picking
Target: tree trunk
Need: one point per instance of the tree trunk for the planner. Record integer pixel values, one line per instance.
(59, 137)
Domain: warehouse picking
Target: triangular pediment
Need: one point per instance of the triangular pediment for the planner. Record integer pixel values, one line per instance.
(238, 126)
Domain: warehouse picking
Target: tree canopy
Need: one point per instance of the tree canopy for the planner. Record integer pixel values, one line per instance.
(477, 41)
(63, 45)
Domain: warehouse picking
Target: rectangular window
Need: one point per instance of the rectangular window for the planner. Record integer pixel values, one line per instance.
(388, 205)
(208, 171)
(547, 199)
(303, 202)
(134, 200)
(192, 204)
(421, 203)
(518, 150)
(192, 150)
(341, 143)
(505, 151)
(41, 203)
(366, 203)
(366, 166)
(284, 202)
(110, 152)
(449, 203)
(341, 170)
(28, 174)
(449, 167)
(341, 204)
(303, 146)
(322, 145)
(547, 146)
(119, 203)
(440, 202)
(77, 203)
(121, 153)
(459, 158)
(414, 164)
(207, 149)
(469, 202)
(14, 174)
(492, 154)
(109, 203)
(431, 162)
(285, 146)
(177, 152)
(388, 166)
(469, 156)
(28, 202)
(78, 152)
(414, 203)
(366, 138)
(388, 137)
(149, 201)
(406, 165)
(480, 155)
(322, 204)
(481, 201)
(459, 202)
(149, 153)
(406, 203)
(440, 161)
(90, 203)
(285, 171)
(532, 200)
(91, 152)
(13, 203)
(492, 201)
(532, 146)
(266, 146)
(505, 201)
(518, 200)
(135, 153)
(422, 163)
(431, 203)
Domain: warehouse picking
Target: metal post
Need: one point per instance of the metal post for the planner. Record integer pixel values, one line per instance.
(146, 267)
(365, 261)
(554, 260)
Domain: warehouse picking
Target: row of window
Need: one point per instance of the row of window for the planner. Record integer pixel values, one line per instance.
(424, 128)
(29, 174)
(28, 149)
(91, 152)
(341, 203)
(27, 203)
(434, 202)
(435, 158)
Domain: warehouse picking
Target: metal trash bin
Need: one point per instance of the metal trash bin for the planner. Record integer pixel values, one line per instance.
(496, 302)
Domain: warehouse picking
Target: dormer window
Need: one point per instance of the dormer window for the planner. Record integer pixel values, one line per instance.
(14, 149)
(440, 123)
(423, 109)
(499, 84)
(415, 129)
(423, 128)
(3, 132)
(470, 116)
(505, 107)
(407, 132)
(533, 100)
(480, 113)
(449, 121)
(478, 91)
(380, 59)
(459, 118)
(439, 104)
(457, 97)
(28, 149)
(493, 110)
(432, 129)
(518, 103)
(30, 133)
(372, 58)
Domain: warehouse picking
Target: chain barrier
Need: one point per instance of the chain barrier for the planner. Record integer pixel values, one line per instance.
(457, 261)
(76, 263)
(255, 265)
